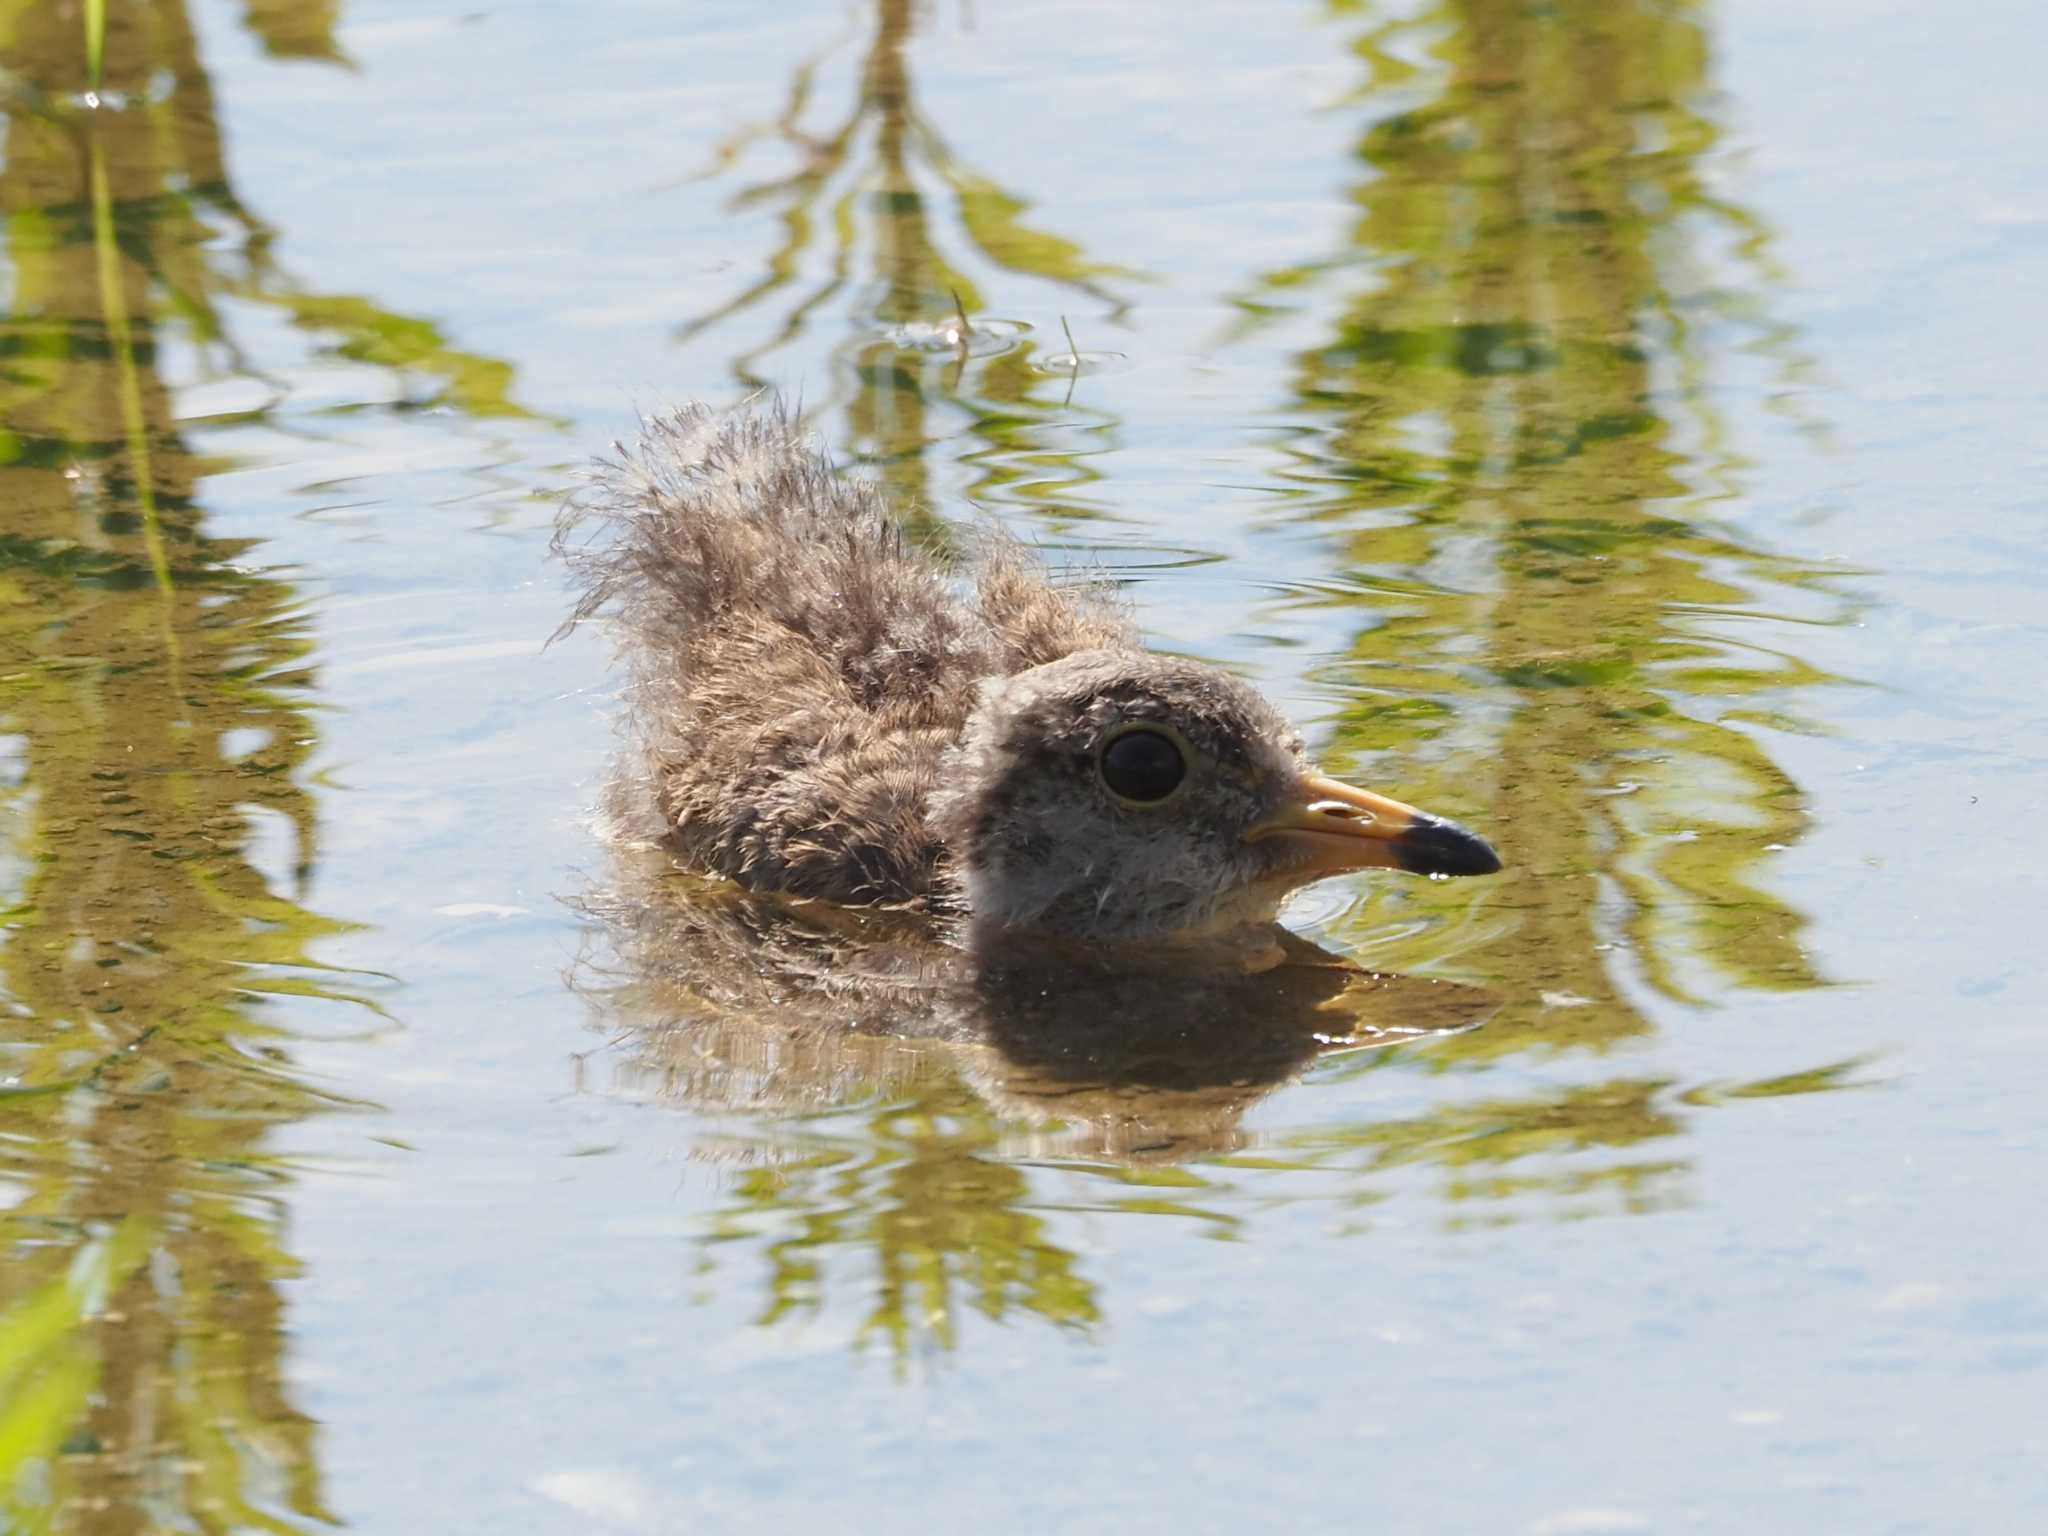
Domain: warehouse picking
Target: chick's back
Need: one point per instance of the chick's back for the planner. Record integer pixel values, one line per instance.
(795, 669)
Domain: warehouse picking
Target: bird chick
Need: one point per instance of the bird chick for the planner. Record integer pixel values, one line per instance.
(815, 708)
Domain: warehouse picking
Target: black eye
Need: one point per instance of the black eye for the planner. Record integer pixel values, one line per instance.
(1143, 766)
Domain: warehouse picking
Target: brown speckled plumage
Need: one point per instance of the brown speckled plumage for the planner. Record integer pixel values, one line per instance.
(818, 709)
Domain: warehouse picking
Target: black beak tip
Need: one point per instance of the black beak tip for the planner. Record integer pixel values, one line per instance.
(1434, 846)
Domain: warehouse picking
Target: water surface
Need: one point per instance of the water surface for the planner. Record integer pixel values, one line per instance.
(1614, 426)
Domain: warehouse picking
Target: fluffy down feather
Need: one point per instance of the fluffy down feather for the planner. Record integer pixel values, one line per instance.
(795, 671)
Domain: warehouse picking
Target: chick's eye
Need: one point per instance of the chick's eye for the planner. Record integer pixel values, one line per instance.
(1143, 766)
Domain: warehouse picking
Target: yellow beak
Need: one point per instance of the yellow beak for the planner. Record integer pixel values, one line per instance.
(1333, 827)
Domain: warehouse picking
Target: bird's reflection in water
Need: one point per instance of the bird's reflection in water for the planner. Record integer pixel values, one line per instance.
(731, 1002)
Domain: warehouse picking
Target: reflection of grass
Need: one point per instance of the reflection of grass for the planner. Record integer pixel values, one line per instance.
(47, 1367)
(155, 695)
(888, 1196)
(1515, 449)
(476, 386)
(1536, 567)
(940, 1225)
(916, 1217)
(295, 29)
(862, 193)
(912, 275)
(95, 41)
(1579, 1148)
(114, 307)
